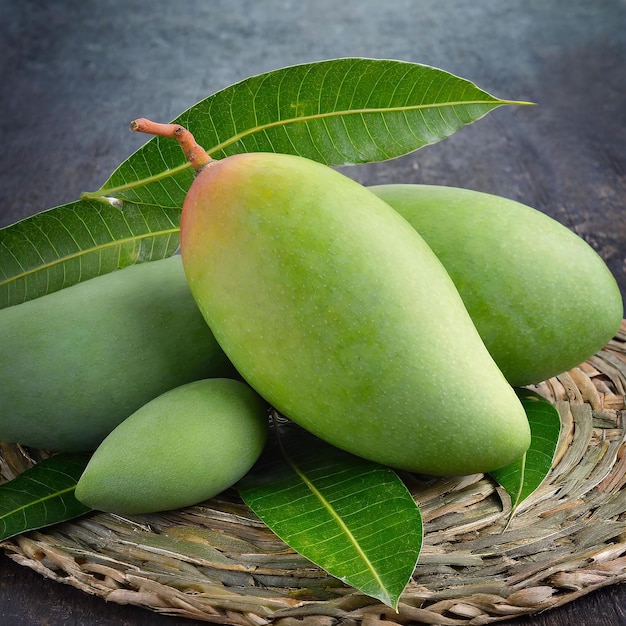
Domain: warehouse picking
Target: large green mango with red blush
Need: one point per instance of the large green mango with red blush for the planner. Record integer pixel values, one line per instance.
(541, 298)
(334, 309)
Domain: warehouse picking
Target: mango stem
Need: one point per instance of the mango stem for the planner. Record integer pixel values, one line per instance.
(195, 154)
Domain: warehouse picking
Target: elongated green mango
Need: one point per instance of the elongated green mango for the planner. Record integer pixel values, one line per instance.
(541, 298)
(183, 447)
(75, 363)
(336, 311)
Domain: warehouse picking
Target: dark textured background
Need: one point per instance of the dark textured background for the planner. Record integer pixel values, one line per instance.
(75, 73)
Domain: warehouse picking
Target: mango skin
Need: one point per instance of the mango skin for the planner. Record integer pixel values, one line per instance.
(541, 298)
(77, 362)
(333, 308)
(181, 448)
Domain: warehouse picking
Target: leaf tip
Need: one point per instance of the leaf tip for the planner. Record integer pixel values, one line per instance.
(522, 103)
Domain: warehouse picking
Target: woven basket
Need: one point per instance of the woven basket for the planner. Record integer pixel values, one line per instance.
(218, 563)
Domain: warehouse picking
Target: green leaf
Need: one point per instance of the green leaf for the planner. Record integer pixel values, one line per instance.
(43, 495)
(338, 112)
(520, 479)
(74, 242)
(351, 517)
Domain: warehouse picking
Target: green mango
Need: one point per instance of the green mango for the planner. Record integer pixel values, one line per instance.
(75, 363)
(541, 298)
(334, 309)
(183, 447)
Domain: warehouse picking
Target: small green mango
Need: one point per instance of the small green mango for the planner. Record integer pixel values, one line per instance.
(541, 298)
(181, 448)
(334, 309)
(75, 363)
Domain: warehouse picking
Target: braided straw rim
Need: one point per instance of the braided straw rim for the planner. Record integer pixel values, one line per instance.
(218, 563)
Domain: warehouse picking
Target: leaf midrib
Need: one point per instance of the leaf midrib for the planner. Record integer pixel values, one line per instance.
(345, 113)
(327, 505)
(32, 503)
(80, 253)
(111, 191)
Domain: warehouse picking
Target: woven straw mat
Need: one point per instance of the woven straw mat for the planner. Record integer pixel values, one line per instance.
(218, 563)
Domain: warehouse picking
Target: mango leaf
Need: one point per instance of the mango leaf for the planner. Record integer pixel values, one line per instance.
(351, 517)
(77, 241)
(521, 479)
(338, 112)
(43, 495)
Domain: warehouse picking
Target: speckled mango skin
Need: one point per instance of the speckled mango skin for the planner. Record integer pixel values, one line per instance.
(334, 309)
(181, 448)
(77, 362)
(541, 298)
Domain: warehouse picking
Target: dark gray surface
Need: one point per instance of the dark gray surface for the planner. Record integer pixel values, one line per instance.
(74, 74)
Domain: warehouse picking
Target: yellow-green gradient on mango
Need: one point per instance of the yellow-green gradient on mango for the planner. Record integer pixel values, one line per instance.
(75, 363)
(181, 448)
(334, 309)
(541, 298)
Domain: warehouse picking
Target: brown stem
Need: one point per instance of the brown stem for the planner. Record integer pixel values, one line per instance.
(196, 154)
